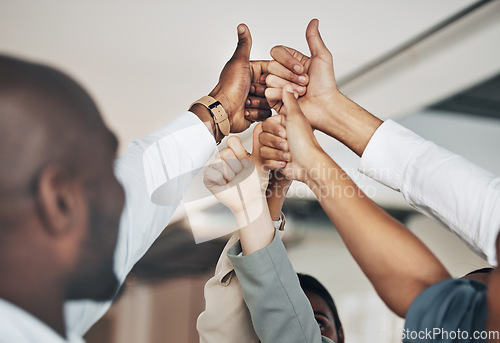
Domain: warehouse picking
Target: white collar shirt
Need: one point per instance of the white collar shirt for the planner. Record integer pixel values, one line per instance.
(155, 173)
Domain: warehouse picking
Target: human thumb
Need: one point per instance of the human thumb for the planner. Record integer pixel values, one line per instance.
(314, 40)
(244, 43)
(293, 111)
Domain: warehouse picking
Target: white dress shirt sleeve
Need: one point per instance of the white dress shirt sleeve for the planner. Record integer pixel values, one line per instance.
(155, 173)
(438, 183)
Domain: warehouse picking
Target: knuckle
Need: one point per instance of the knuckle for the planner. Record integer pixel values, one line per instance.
(264, 152)
(262, 139)
(226, 154)
(277, 141)
(278, 155)
(232, 140)
(276, 129)
(272, 67)
(266, 127)
(219, 178)
(270, 80)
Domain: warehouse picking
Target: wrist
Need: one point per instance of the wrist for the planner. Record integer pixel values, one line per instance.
(350, 123)
(218, 95)
(275, 194)
(250, 213)
(335, 115)
(317, 172)
(204, 115)
(278, 185)
(219, 122)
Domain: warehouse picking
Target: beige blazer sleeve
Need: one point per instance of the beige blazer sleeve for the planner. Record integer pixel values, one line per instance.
(226, 318)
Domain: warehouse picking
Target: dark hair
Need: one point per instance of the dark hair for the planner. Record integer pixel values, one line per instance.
(486, 270)
(310, 284)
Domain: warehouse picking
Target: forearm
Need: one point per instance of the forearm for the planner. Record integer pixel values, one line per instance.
(257, 232)
(349, 123)
(275, 204)
(438, 183)
(276, 194)
(396, 262)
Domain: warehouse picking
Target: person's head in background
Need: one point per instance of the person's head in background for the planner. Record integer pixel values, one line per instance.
(482, 274)
(325, 311)
(60, 202)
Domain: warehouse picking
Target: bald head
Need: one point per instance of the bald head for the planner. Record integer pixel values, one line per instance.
(45, 117)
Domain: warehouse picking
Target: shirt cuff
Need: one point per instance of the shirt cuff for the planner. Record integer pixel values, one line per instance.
(184, 140)
(280, 223)
(255, 259)
(388, 153)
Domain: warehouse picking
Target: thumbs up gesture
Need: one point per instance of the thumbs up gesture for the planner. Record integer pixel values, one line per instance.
(322, 90)
(306, 157)
(239, 180)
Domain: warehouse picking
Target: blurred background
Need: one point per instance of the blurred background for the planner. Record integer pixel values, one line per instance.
(433, 66)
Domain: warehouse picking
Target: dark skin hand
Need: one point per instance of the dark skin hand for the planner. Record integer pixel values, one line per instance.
(241, 87)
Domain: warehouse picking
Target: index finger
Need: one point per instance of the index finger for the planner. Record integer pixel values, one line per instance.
(290, 58)
(280, 70)
(275, 125)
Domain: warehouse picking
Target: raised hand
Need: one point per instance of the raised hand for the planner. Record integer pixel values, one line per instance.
(234, 82)
(238, 179)
(295, 144)
(241, 85)
(322, 90)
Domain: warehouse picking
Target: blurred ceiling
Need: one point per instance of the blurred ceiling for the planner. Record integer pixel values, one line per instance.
(420, 62)
(482, 100)
(146, 61)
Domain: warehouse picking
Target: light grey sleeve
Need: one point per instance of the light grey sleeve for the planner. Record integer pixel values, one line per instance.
(279, 308)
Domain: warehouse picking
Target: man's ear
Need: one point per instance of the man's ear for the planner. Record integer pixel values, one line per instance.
(58, 198)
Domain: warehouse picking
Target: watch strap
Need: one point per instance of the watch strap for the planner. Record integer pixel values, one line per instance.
(219, 115)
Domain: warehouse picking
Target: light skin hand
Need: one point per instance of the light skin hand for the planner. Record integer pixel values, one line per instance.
(388, 253)
(237, 173)
(234, 167)
(325, 107)
(321, 88)
(302, 148)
